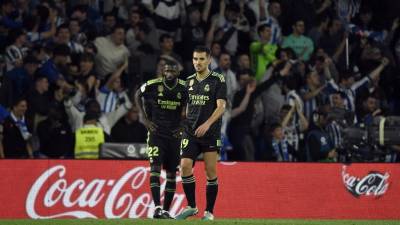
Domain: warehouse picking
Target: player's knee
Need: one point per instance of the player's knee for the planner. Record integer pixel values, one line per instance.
(186, 167)
(211, 172)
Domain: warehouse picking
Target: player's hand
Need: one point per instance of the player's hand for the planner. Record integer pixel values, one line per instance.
(332, 154)
(251, 87)
(385, 61)
(152, 127)
(201, 130)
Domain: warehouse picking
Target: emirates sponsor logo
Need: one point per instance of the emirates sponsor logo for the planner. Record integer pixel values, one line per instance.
(54, 196)
(373, 184)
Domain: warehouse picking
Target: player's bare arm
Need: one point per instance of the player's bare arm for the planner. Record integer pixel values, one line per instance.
(139, 103)
(203, 128)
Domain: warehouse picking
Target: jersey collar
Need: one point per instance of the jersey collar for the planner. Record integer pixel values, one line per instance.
(200, 80)
(170, 88)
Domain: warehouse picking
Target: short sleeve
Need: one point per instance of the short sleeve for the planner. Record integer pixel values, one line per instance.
(220, 89)
(143, 89)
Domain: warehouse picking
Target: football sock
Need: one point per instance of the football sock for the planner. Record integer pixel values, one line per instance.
(211, 194)
(189, 186)
(170, 188)
(155, 187)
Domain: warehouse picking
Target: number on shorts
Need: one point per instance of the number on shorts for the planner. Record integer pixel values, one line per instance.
(152, 151)
(184, 143)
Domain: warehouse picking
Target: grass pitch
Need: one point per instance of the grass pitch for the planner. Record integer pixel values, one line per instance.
(195, 222)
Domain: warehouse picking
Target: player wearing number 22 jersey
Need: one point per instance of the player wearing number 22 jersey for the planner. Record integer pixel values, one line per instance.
(163, 101)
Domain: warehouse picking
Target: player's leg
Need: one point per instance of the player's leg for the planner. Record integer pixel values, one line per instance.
(189, 152)
(210, 163)
(155, 158)
(171, 163)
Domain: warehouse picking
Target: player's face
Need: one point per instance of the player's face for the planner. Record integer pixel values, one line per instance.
(170, 72)
(201, 61)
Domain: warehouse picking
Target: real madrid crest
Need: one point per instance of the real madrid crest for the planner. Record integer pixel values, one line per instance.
(207, 88)
(191, 82)
(179, 96)
(160, 90)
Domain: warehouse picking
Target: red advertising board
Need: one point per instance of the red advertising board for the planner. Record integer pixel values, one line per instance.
(120, 189)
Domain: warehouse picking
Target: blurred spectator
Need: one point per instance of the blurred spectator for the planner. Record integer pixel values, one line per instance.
(105, 120)
(31, 25)
(129, 129)
(55, 67)
(167, 49)
(262, 53)
(239, 129)
(194, 32)
(242, 62)
(274, 11)
(75, 31)
(319, 145)
(89, 138)
(301, 45)
(224, 68)
(17, 132)
(111, 52)
(6, 17)
(166, 14)
(22, 77)
(312, 94)
(17, 50)
(111, 95)
(80, 12)
(278, 149)
(109, 22)
(38, 101)
(232, 26)
(319, 29)
(55, 136)
(348, 85)
(63, 36)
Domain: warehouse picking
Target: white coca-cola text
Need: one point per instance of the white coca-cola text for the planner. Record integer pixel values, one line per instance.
(86, 196)
(375, 184)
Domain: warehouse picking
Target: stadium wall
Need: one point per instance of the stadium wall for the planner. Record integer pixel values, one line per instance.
(43, 189)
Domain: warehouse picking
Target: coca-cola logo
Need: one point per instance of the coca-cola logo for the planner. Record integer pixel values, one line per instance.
(373, 184)
(54, 196)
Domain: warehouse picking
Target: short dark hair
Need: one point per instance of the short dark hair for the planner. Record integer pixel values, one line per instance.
(163, 37)
(346, 74)
(244, 72)
(87, 57)
(18, 100)
(273, 126)
(202, 48)
(117, 26)
(62, 26)
(81, 8)
(262, 27)
(171, 63)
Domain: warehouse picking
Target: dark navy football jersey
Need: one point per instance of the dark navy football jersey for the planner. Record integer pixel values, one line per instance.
(202, 102)
(163, 105)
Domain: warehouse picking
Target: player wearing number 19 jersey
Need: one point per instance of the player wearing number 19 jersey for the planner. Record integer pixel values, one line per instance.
(164, 101)
(206, 104)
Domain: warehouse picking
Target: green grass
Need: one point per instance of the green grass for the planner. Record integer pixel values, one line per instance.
(216, 222)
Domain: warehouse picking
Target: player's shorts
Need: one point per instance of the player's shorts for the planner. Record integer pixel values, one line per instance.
(163, 151)
(192, 147)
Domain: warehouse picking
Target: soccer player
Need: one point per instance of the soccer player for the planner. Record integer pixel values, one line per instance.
(162, 101)
(202, 134)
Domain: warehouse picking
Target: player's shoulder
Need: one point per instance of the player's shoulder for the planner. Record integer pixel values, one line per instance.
(191, 76)
(154, 81)
(219, 76)
(181, 82)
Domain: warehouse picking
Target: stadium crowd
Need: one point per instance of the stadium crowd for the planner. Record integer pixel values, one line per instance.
(297, 71)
